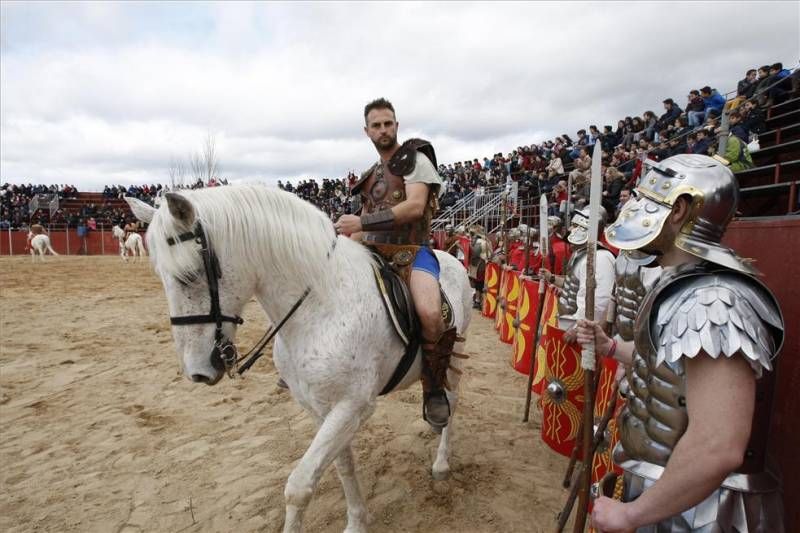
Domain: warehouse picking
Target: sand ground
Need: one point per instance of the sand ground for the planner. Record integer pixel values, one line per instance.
(100, 433)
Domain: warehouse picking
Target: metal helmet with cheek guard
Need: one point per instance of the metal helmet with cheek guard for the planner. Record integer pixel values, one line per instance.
(714, 196)
(579, 225)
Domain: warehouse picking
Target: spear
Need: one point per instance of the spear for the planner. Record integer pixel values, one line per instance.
(588, 351)
(567, 219)
(544, 243)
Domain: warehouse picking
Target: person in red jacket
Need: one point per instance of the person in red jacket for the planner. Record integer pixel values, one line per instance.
(559, 249)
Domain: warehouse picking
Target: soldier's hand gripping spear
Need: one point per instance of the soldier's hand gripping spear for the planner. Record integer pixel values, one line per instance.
(588, 359)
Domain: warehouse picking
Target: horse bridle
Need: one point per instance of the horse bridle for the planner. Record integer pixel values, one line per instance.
(224, 349)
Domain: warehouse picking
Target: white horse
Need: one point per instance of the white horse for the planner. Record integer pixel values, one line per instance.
(133, 244)
(335, 353)
(40, 245)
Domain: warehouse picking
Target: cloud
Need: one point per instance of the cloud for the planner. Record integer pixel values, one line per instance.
(97, 93)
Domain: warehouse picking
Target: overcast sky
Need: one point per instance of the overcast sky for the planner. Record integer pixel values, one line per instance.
(99, 93)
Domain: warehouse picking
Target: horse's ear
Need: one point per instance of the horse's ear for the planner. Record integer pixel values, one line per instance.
(141, 210)
(180, 208)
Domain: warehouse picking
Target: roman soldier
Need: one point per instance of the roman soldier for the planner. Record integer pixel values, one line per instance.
(36, 229)
(693, 432)
(450, 240)
(479, 254)
(571, 300)
(398, 199)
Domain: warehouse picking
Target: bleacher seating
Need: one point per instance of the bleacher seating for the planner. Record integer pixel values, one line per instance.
(770, 188)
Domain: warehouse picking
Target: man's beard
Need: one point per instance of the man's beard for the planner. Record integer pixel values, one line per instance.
(385, 143)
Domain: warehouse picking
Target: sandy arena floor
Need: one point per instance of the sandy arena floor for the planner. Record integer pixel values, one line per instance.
(100, 433)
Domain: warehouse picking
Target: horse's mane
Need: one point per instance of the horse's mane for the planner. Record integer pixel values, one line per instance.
(271, 230)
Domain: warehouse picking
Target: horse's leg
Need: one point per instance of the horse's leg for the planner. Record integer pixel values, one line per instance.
(332, 438)
(356, 506)
(441, 465)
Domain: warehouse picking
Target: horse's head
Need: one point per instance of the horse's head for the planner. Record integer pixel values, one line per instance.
(205, 291)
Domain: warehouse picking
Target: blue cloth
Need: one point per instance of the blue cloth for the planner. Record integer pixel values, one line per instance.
(714, 101)
(426, 261)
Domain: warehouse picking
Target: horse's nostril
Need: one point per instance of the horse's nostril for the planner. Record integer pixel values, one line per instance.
(199, 378)
(216, 361)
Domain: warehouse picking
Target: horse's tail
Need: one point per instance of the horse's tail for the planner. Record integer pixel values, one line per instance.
(50, 247)
(140, 245)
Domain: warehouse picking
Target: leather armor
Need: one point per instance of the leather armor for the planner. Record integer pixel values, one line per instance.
(383, 187)
(697, 309)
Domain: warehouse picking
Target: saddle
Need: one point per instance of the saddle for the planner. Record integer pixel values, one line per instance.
(392, 270)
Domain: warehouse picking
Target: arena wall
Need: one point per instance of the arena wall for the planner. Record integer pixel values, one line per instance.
(772, 243)
(99, 242)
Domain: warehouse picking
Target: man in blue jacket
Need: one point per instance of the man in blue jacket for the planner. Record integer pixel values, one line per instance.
(712, 100)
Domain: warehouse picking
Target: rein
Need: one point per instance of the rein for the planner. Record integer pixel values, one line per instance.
(223, 347)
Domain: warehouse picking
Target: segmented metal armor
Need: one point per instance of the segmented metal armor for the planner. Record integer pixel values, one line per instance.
(568, 298)
(716, 308)
(692, 310)
(632, 281)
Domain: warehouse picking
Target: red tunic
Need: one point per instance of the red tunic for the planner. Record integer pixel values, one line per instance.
(560, 253)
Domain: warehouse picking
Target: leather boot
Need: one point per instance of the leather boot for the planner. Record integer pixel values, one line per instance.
(435, 360)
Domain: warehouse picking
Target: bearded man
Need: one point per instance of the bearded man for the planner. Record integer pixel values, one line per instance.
(399, 197)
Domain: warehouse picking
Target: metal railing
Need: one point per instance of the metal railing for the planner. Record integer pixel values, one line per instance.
(53, 205)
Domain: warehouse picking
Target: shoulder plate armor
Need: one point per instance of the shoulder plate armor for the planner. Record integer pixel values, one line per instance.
(568, 298)
(404, 160)
(364, 175)
(630, 289)
(719, 312)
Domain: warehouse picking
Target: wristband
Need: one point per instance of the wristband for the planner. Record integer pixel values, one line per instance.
(613, 349)
(377, 221)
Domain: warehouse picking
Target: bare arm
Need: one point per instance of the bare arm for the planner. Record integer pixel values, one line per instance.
(720, 398)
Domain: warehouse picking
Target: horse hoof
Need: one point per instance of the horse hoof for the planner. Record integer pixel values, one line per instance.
(440, 475)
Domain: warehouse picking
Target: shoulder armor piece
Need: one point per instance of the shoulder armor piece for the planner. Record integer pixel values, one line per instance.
(719, 313)
(404, 160)
(364, 175)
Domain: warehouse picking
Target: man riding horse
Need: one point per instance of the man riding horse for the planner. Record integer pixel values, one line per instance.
(399, 196)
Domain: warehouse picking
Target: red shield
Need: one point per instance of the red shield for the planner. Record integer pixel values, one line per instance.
(465, 245)
(549, 318)
(527, 307)
(492, 290)
(501, 298)
(562, 399)
(603, 462)
(510, 312)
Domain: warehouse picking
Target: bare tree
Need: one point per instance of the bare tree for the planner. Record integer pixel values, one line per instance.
(196, 167)
(177, 173)
(204, 165)
(210, 161)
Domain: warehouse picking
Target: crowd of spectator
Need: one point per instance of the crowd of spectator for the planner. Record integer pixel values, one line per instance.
(332, 197)
(546, 167)
(543, 168)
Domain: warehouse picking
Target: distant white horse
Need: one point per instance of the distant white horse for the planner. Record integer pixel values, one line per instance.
(133, 244)
(338, 350)
(40, 244)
